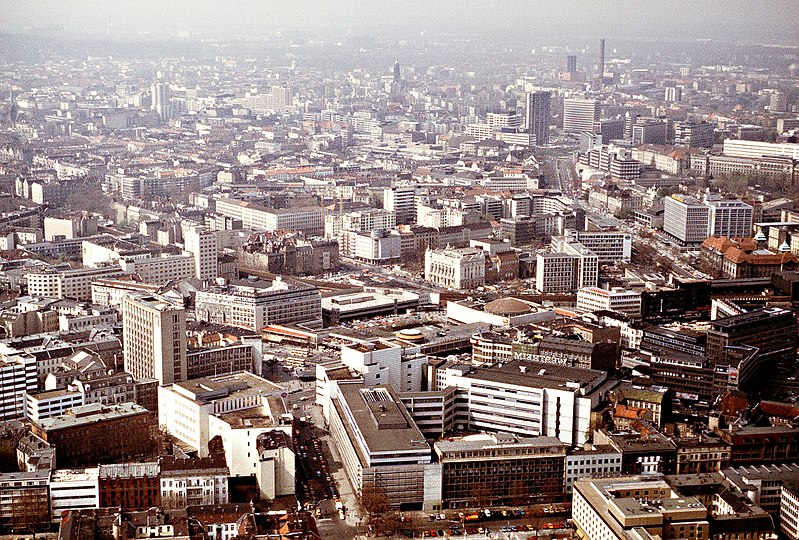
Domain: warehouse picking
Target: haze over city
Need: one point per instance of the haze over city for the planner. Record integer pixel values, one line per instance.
(400, 269)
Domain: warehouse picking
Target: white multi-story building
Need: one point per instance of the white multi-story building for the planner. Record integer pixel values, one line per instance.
(598, 462)
(309, 219)
(616, 299)
(685, 219)
(51, 403)
(74, 284)
(160, 270)
(402, 201)
(758, 149)
(255, 304)
(368, 220)
(462, 268)
(580, 114)
(238, 407)
(154, 331)
(18, 377)
(192, 482)
(728, 217)
(74, 489)
(202, 244)
(526, 398)
(572, 267)
(609, 246)
(379, 444)
(375, 247)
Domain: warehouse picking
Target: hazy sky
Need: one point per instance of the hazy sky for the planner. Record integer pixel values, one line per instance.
(758, 20)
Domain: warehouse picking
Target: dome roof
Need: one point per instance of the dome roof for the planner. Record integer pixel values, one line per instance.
(760, 237)
(784, 247)
(507, 307)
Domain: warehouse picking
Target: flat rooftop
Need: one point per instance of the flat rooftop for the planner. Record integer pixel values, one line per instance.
(208, 389)
(90, 414)
(540, 375)
(382, 420)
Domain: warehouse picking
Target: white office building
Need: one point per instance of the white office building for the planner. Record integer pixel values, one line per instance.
(201, 243)
(74, 489)
(154, 331)
(685, 219)
(402, 201)
(580, 114)
(758, 149)
(616, 299)
(73, 284)
(728, 217)
(254, 304)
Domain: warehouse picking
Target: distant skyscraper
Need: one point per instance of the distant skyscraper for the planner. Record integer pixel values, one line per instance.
(571, 63)
(13, 110)
(537, 117)
(580, 114)
(601, 58)
(160, 100)
(673, 94)
(397, 71)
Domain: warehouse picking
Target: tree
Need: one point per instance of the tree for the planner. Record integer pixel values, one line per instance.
(374, 501)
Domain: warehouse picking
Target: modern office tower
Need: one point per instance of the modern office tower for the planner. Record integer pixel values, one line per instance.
(201, 243)
(396, 71)
(17, 378)
(526, 398)
(728, 217)
(601, 59)
(694, 134)
(580, 114)
(160, 100)
(154, 332)
(571, 63)
(402, 201)
(537, 116)
(572, 268)
(673, 94)
(685, 219)
(778, 102)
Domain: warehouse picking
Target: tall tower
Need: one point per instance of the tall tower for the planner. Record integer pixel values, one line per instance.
(396, 71)
(154, 332)
(537, 116)
(13, 110)
(202, 244)
(160, 100)
(601, 60)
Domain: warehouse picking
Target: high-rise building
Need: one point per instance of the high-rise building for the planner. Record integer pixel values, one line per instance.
(396, 71)
(580, 114)
(685, 219)
(649, 131)
(402, 200)
(154, 331)
(537, 116)
(202, 244)
(571, 63)
(673, 94)
(728, 217)
(778, 102)
(160, 93)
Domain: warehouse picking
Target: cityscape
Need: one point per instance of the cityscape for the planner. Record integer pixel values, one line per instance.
(343, 270)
